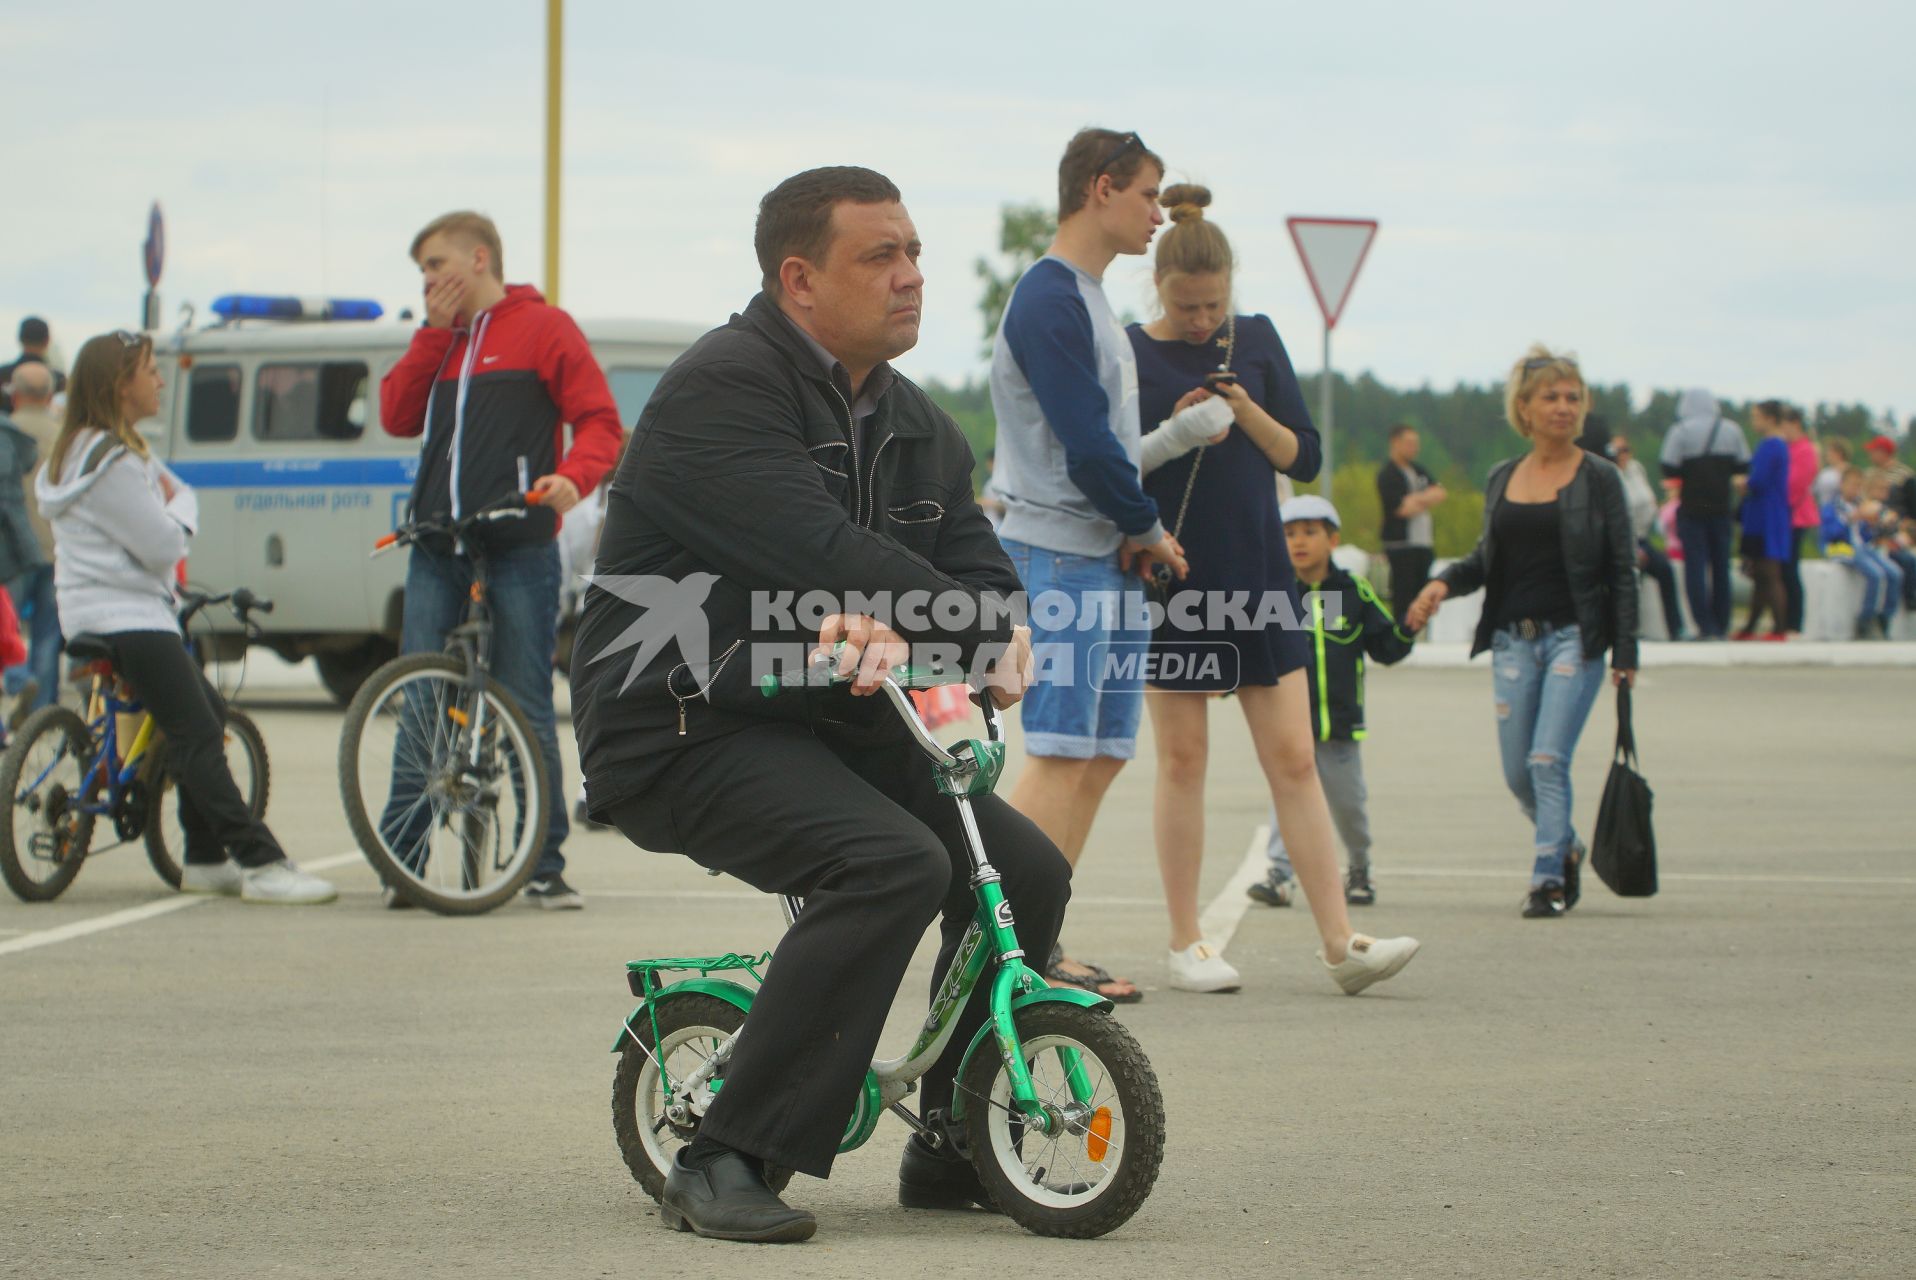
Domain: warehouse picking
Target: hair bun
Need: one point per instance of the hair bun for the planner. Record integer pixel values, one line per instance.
(1186, 201)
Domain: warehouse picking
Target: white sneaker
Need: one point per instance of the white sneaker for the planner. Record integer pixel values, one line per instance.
(284, 883)
(1370, 960)
(1199, 967)
(222, 878)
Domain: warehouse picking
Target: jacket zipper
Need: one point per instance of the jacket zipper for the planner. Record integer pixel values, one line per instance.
(459, 404)
(851, 444)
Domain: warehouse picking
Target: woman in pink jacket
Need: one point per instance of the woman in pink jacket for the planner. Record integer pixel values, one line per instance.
(1804, 516)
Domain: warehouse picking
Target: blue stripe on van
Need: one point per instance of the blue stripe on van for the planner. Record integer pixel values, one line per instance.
(298, 473)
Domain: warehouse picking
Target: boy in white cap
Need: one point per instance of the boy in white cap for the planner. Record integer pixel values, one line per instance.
(1348, 624)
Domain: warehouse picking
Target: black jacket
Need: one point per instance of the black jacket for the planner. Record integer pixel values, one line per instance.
(1599, 556)
(1348, 624)
(743, 483)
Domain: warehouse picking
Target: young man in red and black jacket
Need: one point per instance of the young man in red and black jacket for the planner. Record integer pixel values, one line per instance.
(492, 380)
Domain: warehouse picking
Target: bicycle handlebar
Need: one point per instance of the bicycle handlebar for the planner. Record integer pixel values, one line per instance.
(242, 599)
(511, 507)
(895, 685)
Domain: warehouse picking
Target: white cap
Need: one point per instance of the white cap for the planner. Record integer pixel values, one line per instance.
(1310, 507)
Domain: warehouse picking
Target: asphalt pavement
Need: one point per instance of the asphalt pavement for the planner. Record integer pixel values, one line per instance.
(1713, 1082)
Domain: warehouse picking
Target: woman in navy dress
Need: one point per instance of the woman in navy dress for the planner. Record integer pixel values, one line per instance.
(1234, 540)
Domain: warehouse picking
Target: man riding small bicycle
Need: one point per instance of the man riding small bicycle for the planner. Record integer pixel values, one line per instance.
(782, 457)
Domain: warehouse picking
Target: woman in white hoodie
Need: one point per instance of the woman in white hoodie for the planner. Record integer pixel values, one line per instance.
(120, 524)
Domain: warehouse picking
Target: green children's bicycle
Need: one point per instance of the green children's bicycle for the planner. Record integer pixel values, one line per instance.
(1056, 1104)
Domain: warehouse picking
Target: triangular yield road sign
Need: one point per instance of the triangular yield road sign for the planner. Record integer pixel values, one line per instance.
(1333, 250)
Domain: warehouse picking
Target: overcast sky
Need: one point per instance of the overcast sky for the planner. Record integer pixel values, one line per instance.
(1718, 194)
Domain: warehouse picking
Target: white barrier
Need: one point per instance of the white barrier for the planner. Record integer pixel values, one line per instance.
(1832, 597)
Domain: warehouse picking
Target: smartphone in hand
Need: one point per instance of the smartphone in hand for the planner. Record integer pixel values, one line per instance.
(1220, 378)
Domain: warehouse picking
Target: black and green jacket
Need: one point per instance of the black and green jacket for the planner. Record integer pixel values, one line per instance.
(1348, 624)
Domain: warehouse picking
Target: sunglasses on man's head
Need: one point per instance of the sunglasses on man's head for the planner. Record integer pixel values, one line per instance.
(1125, 144)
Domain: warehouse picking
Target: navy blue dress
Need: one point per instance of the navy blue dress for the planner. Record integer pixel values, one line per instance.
(1232, 534)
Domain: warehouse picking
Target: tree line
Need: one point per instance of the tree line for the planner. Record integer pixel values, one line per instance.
(1463, 428)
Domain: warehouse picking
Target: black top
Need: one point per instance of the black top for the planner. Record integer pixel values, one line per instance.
(1232, 533)
(1392, 488)
(1532, 584)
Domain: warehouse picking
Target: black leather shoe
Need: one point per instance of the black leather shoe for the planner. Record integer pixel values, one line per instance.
(929, 1179)
(730, 1201)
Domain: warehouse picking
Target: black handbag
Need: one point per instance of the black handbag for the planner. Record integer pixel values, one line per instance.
(1623, 850)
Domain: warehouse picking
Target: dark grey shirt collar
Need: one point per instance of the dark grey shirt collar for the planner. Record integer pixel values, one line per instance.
(876, 385)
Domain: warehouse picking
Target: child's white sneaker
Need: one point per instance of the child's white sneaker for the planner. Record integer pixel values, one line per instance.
(221, 878)
(1370, 960)
(1199, 967)
(286, 884)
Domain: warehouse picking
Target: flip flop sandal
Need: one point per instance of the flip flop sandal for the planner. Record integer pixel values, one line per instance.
(1094, 977)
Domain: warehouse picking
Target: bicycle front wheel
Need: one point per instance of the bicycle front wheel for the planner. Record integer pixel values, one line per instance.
(245, 759)
(445, 787)
(1093, 1171)
(43, 776)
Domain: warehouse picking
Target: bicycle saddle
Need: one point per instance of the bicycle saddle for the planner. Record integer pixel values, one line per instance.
(87, 647)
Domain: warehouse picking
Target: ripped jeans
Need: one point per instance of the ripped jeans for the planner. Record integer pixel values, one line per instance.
(1544, 690)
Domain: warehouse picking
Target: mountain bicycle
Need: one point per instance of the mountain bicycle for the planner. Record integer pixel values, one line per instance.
(1056, 1104)
(441, 773)
(63, 772)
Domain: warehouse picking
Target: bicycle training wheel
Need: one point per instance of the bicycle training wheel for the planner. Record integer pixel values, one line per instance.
(43, 774)
(445, 788)
(650, 1124)
(245, 757)
(1091, 1173)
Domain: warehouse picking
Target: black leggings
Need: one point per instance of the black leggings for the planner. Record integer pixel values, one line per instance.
(190, 713)
(1766, 577)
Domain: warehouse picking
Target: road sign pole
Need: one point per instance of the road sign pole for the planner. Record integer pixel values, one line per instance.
(1324, 417)
(555, 104)
(1332, 251)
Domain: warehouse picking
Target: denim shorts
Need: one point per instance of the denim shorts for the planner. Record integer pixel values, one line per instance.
(1091, 642)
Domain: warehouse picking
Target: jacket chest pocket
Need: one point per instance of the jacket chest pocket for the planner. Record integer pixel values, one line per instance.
(833, 460)
(914, 523)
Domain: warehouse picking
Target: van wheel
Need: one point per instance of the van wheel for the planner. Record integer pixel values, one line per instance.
(342, 671)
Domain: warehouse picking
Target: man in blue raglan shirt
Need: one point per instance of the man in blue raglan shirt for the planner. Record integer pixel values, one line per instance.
(1065, 391)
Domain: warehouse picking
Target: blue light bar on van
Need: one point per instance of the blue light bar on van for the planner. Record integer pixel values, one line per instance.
(259, 306)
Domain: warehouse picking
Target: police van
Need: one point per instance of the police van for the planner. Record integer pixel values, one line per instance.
(271, 413)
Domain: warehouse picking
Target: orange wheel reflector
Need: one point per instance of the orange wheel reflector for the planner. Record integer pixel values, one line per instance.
(458, 715)
(1097, 1140)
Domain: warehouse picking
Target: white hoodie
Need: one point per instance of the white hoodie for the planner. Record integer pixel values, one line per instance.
(116, 537)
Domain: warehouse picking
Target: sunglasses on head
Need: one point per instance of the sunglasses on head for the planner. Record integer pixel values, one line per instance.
(1544, 362)
(1124, 144)
(127, 339)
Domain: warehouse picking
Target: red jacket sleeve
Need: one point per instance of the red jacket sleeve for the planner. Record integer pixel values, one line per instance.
(577, 385)
(407, 386)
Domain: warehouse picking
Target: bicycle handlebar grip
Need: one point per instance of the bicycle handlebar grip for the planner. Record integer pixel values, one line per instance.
(386, 540)
(534, 499)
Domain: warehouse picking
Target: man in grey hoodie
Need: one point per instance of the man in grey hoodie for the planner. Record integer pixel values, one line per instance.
(1706, 451)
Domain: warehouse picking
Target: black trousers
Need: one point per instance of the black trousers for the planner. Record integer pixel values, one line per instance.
(878, 854)
(191, 714)
(1793, 582)
(1657, 565)
(1409, 571)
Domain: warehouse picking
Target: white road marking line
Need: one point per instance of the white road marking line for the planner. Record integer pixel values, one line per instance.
(133, 915)
(1221, 918)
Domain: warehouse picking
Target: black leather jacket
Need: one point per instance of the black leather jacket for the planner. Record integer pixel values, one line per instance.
(1599, 556)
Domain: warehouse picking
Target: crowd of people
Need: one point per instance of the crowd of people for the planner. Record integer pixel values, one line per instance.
(1135, 483)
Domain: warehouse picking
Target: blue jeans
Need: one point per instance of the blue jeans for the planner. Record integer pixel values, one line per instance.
(1544, 690)
(1088, 695)
(1706, 571)
(523, 589)
(33, 598)
(1882, 584)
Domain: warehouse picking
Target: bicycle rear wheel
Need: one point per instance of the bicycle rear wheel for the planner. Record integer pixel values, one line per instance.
(245, 757)
(446, 788)
(43, 776)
